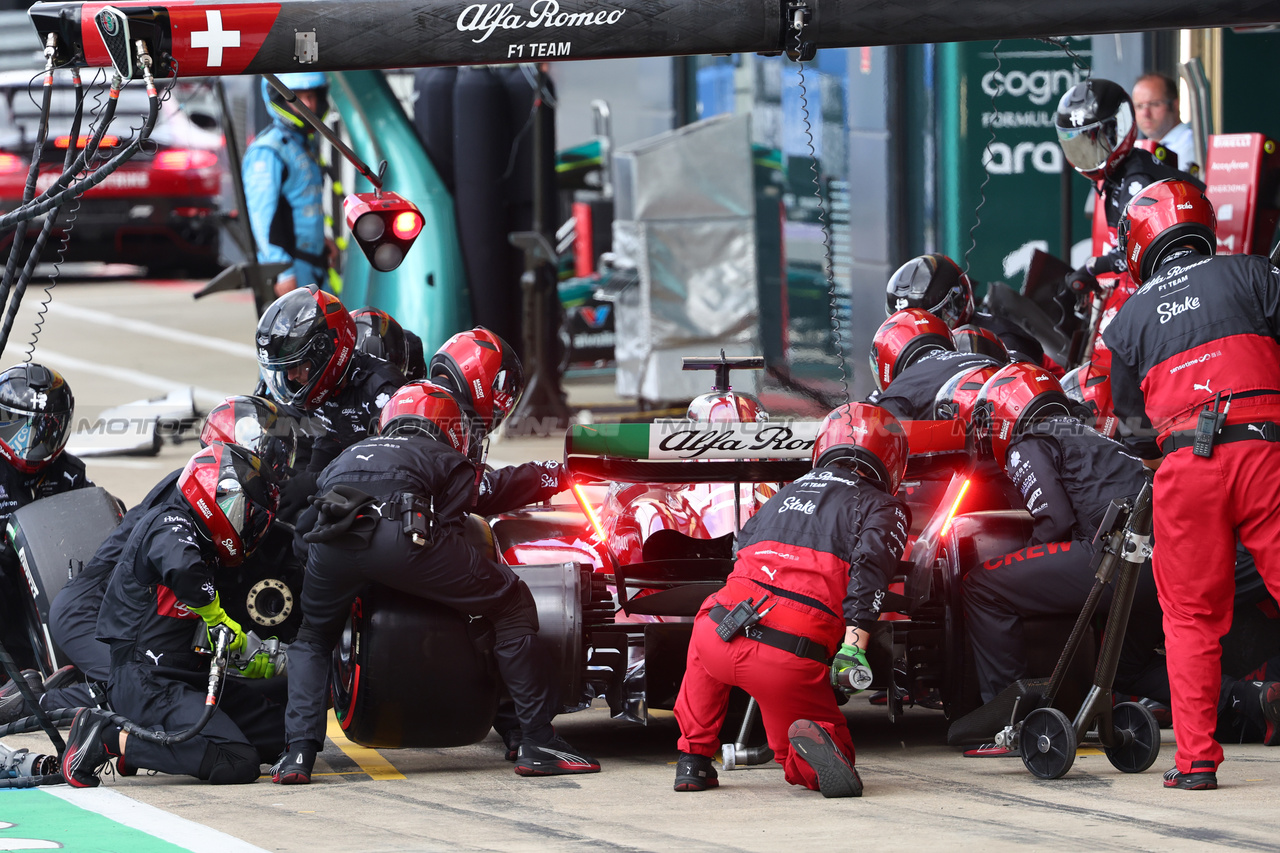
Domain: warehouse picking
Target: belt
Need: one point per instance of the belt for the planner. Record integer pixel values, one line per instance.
(1262, 431)
(799, 646)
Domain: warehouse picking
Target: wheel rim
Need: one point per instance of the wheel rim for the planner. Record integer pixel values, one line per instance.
(1048, 743)
(1140, 733)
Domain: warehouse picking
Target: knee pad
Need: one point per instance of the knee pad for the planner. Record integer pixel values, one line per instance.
(517, 615)
(229, 764)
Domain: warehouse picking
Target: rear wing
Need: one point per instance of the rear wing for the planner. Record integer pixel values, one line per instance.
(695, 452)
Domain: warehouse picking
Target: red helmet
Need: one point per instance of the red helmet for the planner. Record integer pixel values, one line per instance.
(1013, 398)
(36, 405)
(1092, 388)
(257, 424)
(480, 364)
(425, 408)
(1095, 126)
(870, 436)
(980, 340)
(936, 284)
(904, 337)
(956, 398)
(305, 342)
(727, 407)
(229, 496)
(378, 334)
(1165, 215)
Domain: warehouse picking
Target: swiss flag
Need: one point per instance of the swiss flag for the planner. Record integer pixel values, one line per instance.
(206, 39)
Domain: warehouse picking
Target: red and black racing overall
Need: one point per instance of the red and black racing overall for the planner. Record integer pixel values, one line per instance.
(824, 548)
(1200, 328)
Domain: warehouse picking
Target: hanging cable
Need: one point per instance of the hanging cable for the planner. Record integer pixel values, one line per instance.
(837, 339)
(1076, 59)
(986, 154)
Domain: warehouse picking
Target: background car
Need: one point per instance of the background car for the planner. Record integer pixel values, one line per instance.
(159, 210)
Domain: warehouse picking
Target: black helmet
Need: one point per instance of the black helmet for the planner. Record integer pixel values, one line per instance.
(258, 424)
(934, 283)
(305, 328)
(1095, 126)
(35, 413)
(378, 334)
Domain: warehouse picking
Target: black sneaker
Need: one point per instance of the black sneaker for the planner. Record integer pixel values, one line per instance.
(556, 758)
(695, 773)
(64, 677)
(294, 766)
(1269, 697)
(836, 776)
(86, 753)
(12, 705)
(1196, 780)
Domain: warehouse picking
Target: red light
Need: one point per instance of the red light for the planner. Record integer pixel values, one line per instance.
(406, 225)
(183, 159)
(83, 139)
(955, 505)
(10, 163)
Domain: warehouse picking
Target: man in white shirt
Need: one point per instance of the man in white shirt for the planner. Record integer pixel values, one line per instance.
(1155, 103)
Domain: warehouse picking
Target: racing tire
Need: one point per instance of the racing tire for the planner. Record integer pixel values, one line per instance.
(1139, 736)
(1048, 743)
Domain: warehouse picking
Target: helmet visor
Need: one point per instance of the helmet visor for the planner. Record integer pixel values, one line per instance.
(249, 519)
(1088, 148)
(34, 436)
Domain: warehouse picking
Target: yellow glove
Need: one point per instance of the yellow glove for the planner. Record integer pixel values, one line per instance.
(259, 666)
(213, 616)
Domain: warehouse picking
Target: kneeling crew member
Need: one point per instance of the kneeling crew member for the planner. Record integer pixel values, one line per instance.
(814, 559)
(163, 584)
(421, 451)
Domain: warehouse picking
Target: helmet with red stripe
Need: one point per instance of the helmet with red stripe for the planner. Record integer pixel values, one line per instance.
(1096, 126)
(1166, 215)
(36, 406)
(480, 364)
(979, 340)
(1014, 397)
(903, 338)
(866, 437)
(258, 424)
(231, 499)
(305, 342)
(425, 408)
(956, 398)
(1092, 388)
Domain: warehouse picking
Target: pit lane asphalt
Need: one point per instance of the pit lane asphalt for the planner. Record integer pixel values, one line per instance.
(918, 791)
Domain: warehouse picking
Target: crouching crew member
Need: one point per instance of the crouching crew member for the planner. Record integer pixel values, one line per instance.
(421, 451)
(1068, 474)
(164, 583)
(812, 560)
(1195, 355)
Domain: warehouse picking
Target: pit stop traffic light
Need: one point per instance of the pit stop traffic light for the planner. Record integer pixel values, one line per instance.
(385, 225)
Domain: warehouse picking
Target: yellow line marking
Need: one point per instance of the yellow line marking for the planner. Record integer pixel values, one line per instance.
(1088, 750)
(370, 760)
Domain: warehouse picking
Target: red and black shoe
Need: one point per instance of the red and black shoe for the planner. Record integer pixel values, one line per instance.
(695, 773)
(86, 753)
(1269, 698)
(556, 758)
(295, 765)
(1202, 777)
(836, 776)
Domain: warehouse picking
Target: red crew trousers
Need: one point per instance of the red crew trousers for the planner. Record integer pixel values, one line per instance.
(787, 688)
(1200, 506)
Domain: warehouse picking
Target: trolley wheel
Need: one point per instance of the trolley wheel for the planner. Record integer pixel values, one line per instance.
(1139, 736)
(1048, 743)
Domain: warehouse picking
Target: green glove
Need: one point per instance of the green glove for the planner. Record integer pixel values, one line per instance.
(850, 657)
(213, 616)
(259, 666)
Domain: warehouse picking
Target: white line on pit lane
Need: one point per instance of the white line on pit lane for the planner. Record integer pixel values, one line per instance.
(142, 327)
(178, 831)
(134, 377)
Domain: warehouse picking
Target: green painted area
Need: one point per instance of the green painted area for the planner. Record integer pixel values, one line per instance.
(620, 441)
(37, 815)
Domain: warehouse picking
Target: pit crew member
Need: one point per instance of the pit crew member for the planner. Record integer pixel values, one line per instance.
(1195, 353)
(812, 560)
(358, 539)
